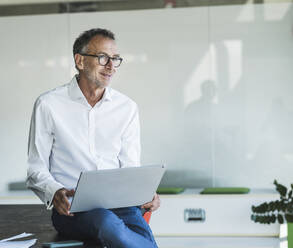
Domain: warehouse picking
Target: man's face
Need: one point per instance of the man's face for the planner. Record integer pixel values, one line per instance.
(92, 70)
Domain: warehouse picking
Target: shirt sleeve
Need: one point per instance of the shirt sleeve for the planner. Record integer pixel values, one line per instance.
(129, 155)
(39, 178)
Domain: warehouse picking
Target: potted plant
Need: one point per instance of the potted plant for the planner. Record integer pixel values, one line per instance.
(279, 210)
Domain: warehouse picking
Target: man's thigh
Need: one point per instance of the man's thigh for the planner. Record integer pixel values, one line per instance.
(83, 225)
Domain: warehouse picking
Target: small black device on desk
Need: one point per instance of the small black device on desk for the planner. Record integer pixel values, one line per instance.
(67, 243)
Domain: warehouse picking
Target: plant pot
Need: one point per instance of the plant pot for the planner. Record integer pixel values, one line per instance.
(290, 234)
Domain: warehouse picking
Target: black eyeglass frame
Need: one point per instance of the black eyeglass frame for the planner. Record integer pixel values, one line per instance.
(99, 55)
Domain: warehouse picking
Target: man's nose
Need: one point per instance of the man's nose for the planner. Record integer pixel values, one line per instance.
(110, 65)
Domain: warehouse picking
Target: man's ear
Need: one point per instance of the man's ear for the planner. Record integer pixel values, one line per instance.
(79, 61)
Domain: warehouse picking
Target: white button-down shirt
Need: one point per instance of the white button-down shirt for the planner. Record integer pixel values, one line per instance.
(68, 135)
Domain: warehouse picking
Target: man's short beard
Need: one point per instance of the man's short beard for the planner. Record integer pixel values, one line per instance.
(92, 79)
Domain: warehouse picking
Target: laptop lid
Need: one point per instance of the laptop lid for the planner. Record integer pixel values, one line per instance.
(116, 188)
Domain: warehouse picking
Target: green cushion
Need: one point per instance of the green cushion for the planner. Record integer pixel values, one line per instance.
(169, 190)
(226, 190)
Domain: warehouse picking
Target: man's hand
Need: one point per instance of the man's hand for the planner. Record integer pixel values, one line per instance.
(153, 205)
(60, 201)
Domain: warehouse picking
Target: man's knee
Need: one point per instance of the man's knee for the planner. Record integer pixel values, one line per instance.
(111, 229)
(104, 220)
(100, 217)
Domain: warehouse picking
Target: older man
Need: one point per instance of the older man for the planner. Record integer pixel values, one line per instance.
(86, 125)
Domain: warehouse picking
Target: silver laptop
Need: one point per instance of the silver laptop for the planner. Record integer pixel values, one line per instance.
(116, 188)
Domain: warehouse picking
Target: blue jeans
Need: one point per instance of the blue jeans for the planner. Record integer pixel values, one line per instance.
(113, 228)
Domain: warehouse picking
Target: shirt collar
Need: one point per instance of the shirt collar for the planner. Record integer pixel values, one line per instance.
(107, 96)
(75, 92)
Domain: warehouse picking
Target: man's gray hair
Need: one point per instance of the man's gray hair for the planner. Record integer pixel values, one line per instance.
(84, 38)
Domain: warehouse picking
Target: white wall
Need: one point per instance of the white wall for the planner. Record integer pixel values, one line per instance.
(213, 84)
(34, 58)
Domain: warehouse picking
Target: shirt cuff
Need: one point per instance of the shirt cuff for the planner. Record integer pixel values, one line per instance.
(51, 189)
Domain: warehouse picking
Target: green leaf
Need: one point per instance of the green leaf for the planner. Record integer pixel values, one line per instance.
(271, 206)
(262, 208)
(281, 189)
(263, 219)
(289, 217)
(280, 219)
(290, 207)
(278, 205)
(274, 218)
(281, 205)
(271, 218)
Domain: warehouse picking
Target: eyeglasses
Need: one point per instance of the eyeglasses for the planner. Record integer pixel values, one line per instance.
(104, 59)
